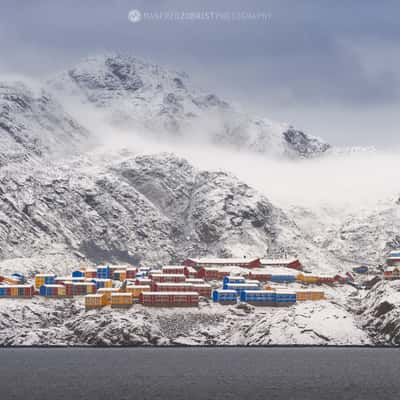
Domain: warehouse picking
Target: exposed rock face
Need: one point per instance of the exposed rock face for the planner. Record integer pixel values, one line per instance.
(380, 312)
(33, 125)
(302, 144)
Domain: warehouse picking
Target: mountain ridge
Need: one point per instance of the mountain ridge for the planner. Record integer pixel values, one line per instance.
(135, 94)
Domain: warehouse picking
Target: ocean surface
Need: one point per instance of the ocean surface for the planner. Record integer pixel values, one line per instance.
(200, 373)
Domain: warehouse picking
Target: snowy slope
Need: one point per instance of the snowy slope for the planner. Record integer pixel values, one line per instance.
(140, 96)
(148, 209)
(33, 125)
(380, 312)
(366, 236)
(65, 322)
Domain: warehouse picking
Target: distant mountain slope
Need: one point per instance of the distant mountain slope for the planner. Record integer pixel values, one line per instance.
(33, 125)
(135, 94)
(144, 209)
(368, 236)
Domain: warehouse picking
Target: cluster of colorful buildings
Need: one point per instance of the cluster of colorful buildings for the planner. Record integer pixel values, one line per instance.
(176, 285)
(183, 285)
(254, 292)
(14, 286)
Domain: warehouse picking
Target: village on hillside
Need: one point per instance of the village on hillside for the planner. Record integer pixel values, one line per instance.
(261, 282)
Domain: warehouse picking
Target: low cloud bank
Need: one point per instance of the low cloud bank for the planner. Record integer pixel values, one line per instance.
(350, 180)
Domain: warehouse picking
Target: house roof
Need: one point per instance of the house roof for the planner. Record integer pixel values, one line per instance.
(223, 261)
(278, 261)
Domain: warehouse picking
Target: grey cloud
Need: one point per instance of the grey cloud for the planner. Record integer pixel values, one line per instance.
(310, 55)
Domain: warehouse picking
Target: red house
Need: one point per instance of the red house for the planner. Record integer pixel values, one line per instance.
(222, 262)
(172, 287)
(168, 278)
(260, 275)
(173, 269)
(211, 274)
(190, 299)
(293, 263)
(325, 279)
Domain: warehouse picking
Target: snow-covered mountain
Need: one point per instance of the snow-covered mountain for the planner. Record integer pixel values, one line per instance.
(66, 200)
(119, 210)
(134, 94)
(33, 125)
(364, 236)
(369, 236)
(150, 210)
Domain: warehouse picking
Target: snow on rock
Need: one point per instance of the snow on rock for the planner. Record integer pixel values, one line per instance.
(145, 209)
(59, 260)
(303, 144)
(367, 237)
(311, 323)
(380, 312)
(33, 125)
(96, 213)
(137, 95)
(64, 322)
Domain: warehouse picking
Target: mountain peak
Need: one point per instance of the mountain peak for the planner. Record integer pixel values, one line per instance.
(132, 93)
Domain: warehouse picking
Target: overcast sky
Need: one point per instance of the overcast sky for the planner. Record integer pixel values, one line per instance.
(331, 68)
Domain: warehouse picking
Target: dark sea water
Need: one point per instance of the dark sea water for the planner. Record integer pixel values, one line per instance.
(204, 373)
